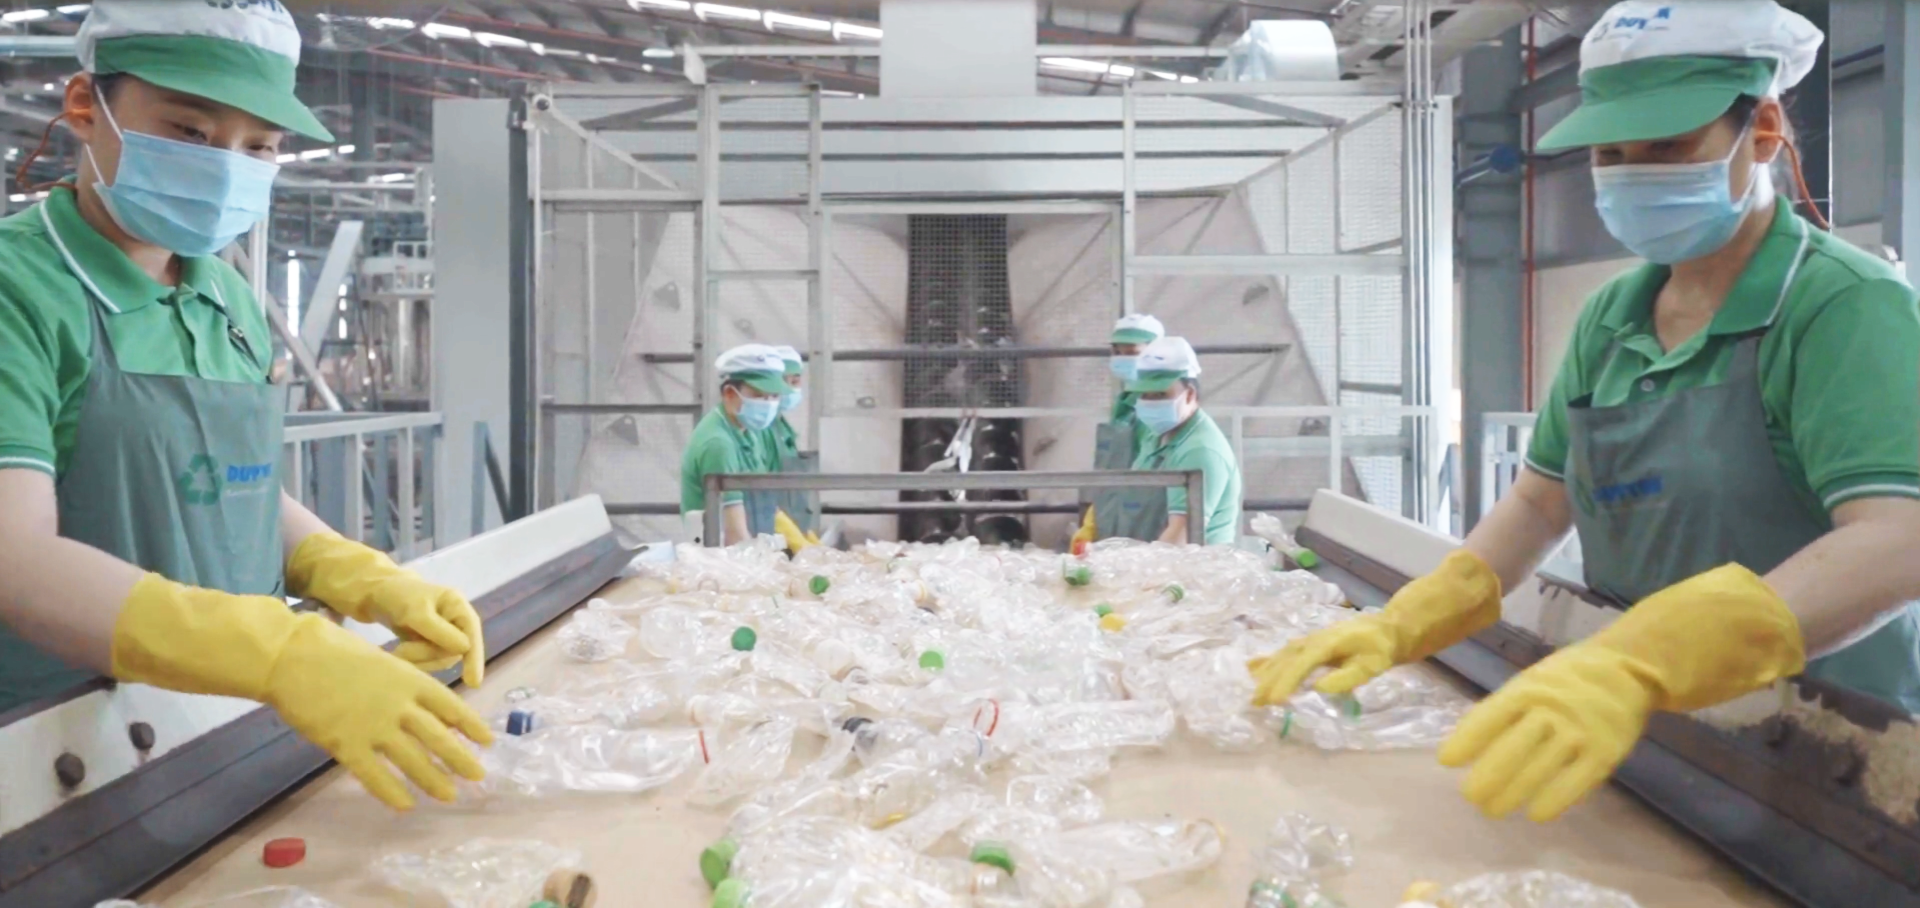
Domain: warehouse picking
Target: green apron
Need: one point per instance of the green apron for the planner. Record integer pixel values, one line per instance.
(1668, 488)
(174, 474)
(1121, 513)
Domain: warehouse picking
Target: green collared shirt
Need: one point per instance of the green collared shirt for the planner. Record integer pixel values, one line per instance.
(782, 442)
(1839, 380)
(1200, 445)
(210, 326)
(719, 446)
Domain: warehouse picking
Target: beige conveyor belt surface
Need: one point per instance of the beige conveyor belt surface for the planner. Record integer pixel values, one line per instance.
(1403, 810)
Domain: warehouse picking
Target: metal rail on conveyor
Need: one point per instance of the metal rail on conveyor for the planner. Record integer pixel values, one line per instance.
(106, 838)
(1783, 806)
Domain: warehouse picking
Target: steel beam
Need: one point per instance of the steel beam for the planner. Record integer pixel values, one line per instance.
(1900, 216)
(1284, 265)
(324, 305)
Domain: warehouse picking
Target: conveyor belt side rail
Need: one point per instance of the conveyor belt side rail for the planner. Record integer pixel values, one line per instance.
(114, 841)
(1783, 806)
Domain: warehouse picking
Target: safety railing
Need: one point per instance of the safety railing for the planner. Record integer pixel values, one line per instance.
(718, 484)
(1503, 452)
(368, 475)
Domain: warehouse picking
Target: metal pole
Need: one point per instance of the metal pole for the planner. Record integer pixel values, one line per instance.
(524, 246)
(1900, 220)
(1127, 191)
(479, 478)
(382, 530)
(816, 262)
(711, 533)
(355, 516)
(705, 324)
(1197, 507)
(405, 509)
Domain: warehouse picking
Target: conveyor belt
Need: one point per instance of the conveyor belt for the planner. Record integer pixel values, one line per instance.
(1782, 806)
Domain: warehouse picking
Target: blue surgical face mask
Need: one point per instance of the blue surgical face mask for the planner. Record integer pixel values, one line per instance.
(791, 400)
(1671, 213)
(1159, 416)
(191, 199)
(758, 413)
(1125, 368)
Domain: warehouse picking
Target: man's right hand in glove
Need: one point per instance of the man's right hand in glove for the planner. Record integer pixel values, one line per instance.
(368, 709)
(1459, 599)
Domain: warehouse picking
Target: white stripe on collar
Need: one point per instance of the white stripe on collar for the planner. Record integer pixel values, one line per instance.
(72, 265)
(1786, 286)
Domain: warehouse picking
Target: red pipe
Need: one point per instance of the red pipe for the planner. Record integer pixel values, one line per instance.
(1527, 270)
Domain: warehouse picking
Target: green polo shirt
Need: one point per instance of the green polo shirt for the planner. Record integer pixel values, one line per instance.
(48, 257)
(1200, 445)
(782, 443)
(719, 446)
(1840, 381)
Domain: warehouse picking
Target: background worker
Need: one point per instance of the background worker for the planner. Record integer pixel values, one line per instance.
(143, 533)
(801, 506)
(1118, 513)
(1733, 433)
(734, 437)
(1181, 436)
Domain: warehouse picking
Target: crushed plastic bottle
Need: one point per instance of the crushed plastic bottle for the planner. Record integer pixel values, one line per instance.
(1526, 889)
(590, 758)
(1292, 871)
(483, 873)
(594, 634)
(1403, 708)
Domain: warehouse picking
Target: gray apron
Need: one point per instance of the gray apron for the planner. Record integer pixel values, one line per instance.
(175, 474)
(1669, 488)
(1136, 513)
(801, 505)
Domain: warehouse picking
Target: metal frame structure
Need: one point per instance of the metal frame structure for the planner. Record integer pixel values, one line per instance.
(719, 483)
(336, 445)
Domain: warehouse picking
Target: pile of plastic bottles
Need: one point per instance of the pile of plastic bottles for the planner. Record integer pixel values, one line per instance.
(965, 696)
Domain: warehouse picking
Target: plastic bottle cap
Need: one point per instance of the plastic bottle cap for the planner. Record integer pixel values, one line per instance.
(1112, 622)
(717, 861)
(544, 903)
(744, 638)
(284, 853)
(992, 854)
(933, 660)
(729, 894)
(855, 723)
(1177, 591)
(1306, 559)
(519, 722)
(1103, 610)
(819, 584)
(1351, 706)
(1286, 723)
(1078, 575)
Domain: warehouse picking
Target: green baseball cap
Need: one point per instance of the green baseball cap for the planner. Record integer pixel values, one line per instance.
(758, 365)
(1656, 98)
(241, 54)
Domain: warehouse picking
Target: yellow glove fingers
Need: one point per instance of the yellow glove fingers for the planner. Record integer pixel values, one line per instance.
(432, 626)
(377, 779)
(1509, 772)
(444, 745)
(1358, 669)
(463, 616)
(1481, 726)
(413, 760)
(1281, 675)
(453, 712)
(425, 656)
(1572, 785)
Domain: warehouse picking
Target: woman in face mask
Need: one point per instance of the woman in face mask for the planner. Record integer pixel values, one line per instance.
(143, 533)
(1123, 513)
(737, 437)
(1733, 434)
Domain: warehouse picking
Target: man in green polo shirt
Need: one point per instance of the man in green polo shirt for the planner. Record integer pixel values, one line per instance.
(1181, 436)
(735, 437)
(143, 533)
(1735, 433)
(1123, 513)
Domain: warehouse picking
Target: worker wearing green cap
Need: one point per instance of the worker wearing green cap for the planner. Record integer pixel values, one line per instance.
(737, 437)
(784, 454)
(143, 533)
(1178, 435)
(1123, 513)
(1733, 434)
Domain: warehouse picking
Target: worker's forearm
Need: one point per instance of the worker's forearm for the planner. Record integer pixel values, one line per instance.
(63, 596)
(1176, 531)
(296, 524)
(1844, 580)
(734, 518)
(1518, 533)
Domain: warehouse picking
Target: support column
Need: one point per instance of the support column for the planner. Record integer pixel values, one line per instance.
(1900, 218)
(360, 98)
(1491, 375)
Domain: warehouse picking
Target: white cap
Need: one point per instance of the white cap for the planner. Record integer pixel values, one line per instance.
(790, 355)
(1163, 362)
(1753, 29)
(758, 364)
(1138, 329)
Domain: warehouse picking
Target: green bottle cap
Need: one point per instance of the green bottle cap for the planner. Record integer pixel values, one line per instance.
(729, 894)
(543, 903)
(1103, 610)
(992, 854)
(1286, 724)
(1078, 575)
(1177, 591)
(819, 584)
(744, 638)
(717, 860)
(1306, 559)
(1350, 705)
(933, 660)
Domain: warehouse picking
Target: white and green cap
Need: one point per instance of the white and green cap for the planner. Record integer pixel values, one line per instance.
(1164, 362)
(1137, 329)
(758, 365)
(242, 53)
(796, 365)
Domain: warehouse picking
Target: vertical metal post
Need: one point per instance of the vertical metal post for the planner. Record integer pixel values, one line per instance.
(524, 247)
(429, 516)
(711, 533)
(1336, 473)
(1197, 507)
(1339, 245)
(382, 510)
(590, 322)
(404, 478)
(1127, 191)
(1491, 234)
(294, 480)
(1900, 217)
(354, 515)
(704, 305)
(817, 264)
(548, 492)
(257, 254)
(479, 478)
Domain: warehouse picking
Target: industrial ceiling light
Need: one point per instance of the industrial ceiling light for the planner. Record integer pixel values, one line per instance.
(658, 52)
(1074, 63)
(439, 31)
(74, 9)
(719, 11)
(24, 15)
(390, 23)
(801, 23)
(680, 5)
(845, 30)
(489, 39)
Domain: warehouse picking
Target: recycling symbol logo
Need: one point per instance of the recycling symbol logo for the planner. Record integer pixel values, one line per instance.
(200, 484)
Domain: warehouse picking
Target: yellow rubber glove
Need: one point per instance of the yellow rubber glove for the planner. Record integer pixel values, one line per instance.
(790, 531)
(1556, 731)
(437, 626)
(1459, 599)
(1085, 534)
(361, 705)
(813, 537)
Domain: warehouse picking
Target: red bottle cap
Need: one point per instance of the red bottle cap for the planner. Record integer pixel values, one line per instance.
(284, 852)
